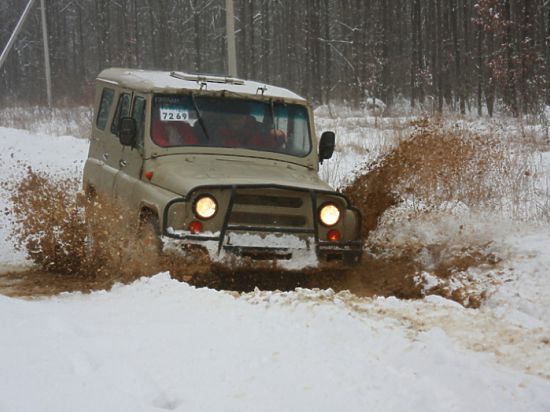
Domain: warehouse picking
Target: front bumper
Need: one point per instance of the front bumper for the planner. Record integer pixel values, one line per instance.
(274, 241)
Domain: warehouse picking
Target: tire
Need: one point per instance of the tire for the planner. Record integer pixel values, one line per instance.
(149, 233)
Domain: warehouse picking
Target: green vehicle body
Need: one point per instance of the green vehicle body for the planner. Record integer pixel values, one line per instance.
(272, 199)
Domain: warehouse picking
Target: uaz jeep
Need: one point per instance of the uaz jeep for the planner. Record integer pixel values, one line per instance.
(226, 164)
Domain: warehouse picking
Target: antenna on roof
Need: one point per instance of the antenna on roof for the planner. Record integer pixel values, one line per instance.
(206, 78)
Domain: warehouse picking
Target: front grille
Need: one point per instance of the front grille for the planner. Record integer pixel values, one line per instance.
(263, 200)
(272, 208)
(267, 219)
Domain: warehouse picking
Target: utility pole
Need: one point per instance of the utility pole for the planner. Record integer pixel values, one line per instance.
(47, 68)
(16, 31)
(230, 34)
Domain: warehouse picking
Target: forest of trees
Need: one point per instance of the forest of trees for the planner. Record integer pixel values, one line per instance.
(461, 55)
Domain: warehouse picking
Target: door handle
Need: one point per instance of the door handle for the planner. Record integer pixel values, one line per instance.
(106, 156)
(123, 163)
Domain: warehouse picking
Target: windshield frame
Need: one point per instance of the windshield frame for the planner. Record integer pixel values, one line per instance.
(201, 148)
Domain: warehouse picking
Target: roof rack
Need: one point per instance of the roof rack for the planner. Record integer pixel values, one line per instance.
(201, 78)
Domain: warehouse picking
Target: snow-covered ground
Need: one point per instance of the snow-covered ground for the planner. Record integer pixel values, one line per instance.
(162, 344)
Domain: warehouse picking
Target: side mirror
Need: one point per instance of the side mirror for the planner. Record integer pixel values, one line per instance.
(326, 146)
(127, 131)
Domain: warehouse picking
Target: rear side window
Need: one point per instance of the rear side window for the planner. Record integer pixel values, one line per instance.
(122, 110)
(104, 108)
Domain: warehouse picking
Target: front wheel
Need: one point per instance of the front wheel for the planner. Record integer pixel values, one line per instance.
(149, 234)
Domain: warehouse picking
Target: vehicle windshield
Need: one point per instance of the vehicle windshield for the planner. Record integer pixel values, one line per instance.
(186, 120)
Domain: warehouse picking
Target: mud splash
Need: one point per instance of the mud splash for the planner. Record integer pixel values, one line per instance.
(435, 165)
(62, 232)
(79, 242)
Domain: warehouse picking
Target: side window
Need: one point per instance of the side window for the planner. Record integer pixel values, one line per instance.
(138, 113)
(122, 110)
(104, 108)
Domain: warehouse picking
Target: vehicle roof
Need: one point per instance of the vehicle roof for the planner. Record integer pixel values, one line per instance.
(174, 82)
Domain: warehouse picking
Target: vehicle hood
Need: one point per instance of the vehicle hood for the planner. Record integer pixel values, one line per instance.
(181, 174)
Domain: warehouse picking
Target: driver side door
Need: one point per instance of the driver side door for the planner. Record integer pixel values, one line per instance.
(112, 147)
(131, 158)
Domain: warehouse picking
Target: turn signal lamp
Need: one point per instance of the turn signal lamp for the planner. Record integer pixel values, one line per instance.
(334, 235)
(148, 175)
(195, 227)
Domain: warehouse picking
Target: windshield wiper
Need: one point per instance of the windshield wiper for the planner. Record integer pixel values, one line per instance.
(199, 117)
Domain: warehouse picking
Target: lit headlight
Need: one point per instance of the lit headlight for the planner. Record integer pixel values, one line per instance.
(205, 207)
(329, 214)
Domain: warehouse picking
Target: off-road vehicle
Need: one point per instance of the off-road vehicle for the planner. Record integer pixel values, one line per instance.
(223, 163)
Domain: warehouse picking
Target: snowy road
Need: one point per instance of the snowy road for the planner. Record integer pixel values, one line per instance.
(161, 344)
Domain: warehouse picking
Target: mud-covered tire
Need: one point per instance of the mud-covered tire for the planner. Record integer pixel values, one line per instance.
(149, 233)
